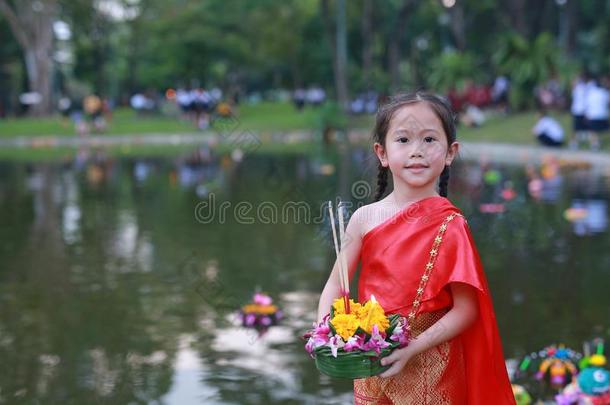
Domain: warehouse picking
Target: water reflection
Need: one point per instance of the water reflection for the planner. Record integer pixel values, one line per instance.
(588, 217)
(111, 291)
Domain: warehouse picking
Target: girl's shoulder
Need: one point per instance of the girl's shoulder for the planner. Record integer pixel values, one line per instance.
(371, 215)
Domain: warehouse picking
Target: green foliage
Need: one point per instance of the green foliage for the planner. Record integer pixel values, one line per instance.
(331, 117)
(452, 69)
(527, 64)
(255, 45)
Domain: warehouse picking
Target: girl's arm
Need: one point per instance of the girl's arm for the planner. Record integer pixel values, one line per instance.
(459, 317)
(332, 289)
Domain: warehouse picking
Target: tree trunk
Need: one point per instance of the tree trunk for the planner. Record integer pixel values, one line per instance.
(341, 73)
(394, 63)
(541, 17)
(396, 34)
(32, 24)
(333, 40)
(517, 13)
(39, 70)
(367, 39)
(571, 21)
(418, 80)
(457, 25)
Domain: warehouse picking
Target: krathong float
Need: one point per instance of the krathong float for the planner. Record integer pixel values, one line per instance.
(556, 365)
(592, 385)
(261, 313)
(350, 341)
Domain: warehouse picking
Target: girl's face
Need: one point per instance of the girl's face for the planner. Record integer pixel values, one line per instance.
(416, 149)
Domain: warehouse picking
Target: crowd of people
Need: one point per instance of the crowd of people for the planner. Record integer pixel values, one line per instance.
(89, 114)
(313, 96)
(590, 107)
(588, 101)
(198, 104)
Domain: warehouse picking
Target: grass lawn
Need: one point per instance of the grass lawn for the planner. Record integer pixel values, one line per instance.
(124, 121)
(264, 117)
(515, 128)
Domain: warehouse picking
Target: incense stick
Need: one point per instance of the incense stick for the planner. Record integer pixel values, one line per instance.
(343, 259)
(343, 281)
(332, 225)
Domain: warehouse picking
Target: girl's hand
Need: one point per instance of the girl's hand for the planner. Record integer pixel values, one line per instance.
(397, 359)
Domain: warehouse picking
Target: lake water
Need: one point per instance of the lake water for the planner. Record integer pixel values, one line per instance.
(120, 278)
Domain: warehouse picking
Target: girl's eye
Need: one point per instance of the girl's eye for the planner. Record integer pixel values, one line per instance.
(403, 139)
(429, 139)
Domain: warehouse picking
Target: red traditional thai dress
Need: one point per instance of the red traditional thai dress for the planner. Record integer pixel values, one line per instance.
(468, 369)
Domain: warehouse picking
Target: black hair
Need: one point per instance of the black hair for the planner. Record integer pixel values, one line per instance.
(386, 112)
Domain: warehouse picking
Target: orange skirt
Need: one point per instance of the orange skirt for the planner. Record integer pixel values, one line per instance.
(436, 376)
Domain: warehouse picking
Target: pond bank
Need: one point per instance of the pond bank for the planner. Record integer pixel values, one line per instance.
(250, 141)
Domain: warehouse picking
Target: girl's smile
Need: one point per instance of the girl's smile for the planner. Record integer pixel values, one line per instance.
(416, 168)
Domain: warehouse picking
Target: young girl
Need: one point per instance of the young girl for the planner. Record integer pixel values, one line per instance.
(419, 260)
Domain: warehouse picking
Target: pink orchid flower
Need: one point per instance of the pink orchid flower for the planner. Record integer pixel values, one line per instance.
(250, 319)
(310, 346)
(355, 342)
(262, 299)
(320, 336)
(400, 335)
(335, 343)
(316, 341)
(376, 342)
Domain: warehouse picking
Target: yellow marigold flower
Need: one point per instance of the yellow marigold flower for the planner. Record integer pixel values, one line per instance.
(372, 314)
(345, 325)
(339, 306)
(259, 309)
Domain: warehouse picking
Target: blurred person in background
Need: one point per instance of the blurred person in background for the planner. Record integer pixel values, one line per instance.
(596, 111)
(547, 130)
(577, 110)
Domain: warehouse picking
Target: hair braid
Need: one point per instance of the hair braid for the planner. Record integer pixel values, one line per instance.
(382, 181)
(443, 183)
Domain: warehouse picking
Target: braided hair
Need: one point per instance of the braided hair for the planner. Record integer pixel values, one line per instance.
(386, 112)
(382, 181)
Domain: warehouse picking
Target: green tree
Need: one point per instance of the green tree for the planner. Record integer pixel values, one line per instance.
(527, 64)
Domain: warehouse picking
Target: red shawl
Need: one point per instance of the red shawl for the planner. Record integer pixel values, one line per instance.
(394, 255)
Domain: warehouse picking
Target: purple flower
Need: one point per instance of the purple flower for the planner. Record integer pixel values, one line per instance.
(266, 321)
(335, 343)
(376, 342)
(355, 342)
(250, 319)
(310, 346)
(557, 380)
(400, 335)
(319, 336)
(262, 299)
(570, 395)
(322, 328)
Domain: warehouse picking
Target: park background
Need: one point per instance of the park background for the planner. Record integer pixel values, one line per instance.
(120, 274)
